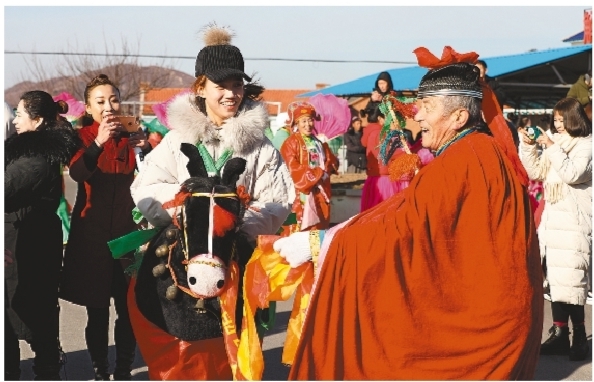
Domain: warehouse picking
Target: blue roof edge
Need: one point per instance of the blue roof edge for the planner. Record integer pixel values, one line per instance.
(572, 50)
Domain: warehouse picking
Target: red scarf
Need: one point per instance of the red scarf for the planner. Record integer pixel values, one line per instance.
(117, 156)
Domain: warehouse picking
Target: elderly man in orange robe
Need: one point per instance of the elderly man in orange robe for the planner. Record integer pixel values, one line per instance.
(444, 280)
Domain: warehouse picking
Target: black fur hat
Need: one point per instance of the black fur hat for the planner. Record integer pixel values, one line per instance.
(219, 60)
(460, 79)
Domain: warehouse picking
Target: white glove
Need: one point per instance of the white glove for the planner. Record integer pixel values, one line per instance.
(294, 248)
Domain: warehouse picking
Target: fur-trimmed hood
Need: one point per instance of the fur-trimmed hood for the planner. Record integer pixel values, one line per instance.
(56, 144)
(242, 133)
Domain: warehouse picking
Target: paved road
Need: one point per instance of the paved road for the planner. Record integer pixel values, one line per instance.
(78, 366)
(78, 363)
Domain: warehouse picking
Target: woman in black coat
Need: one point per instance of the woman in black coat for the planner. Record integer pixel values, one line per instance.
(356, 158)
(32, 189)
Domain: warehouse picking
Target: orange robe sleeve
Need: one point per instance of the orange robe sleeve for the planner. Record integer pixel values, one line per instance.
(440, 282)
(331, 162)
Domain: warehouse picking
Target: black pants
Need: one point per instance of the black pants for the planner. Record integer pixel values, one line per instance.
(12, 353)
(42, 320)
(33, 294)
(562, 312)
(96, 332)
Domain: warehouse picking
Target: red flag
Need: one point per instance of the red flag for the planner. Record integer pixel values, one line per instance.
(588, 26)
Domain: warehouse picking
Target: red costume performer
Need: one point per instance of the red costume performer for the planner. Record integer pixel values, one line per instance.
(442, 281)
(312, 184)
(378, 185)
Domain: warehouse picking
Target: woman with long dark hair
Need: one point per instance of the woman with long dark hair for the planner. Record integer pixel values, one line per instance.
(33, 159)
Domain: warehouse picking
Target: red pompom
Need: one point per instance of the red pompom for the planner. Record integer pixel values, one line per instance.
(244, 197)
(177, 201)
(223, 221)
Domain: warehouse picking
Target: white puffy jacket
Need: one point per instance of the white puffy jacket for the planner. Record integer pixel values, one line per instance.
(266, 177)
(565, 231)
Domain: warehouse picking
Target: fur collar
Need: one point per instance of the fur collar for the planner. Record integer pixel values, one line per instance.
(242, 133)
(56, 145)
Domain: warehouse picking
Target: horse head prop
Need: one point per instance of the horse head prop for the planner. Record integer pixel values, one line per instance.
(187, 265)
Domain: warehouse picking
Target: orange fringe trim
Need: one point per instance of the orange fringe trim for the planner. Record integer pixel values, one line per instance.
(406, 110)
(404, 167)
(178, 200)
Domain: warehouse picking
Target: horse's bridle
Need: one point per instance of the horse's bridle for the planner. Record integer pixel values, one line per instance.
(212, 195)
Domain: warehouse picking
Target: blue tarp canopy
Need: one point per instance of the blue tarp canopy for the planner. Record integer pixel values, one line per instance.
(532, 79)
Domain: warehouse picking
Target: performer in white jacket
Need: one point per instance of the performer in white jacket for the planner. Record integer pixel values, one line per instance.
(224, 119)
(223, 115)
(565, 231)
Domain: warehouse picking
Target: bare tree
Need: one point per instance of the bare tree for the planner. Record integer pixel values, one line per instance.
(121, 64)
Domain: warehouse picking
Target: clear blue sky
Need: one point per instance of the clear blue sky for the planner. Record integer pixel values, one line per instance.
(387, 33)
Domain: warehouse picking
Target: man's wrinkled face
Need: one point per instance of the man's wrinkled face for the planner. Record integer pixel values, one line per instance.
(436, 128)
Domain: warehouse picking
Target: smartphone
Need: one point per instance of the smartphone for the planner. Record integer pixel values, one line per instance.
(131, 123)
(533, 132)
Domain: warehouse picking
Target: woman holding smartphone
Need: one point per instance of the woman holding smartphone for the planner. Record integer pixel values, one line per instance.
(104, 171)
(565, 231)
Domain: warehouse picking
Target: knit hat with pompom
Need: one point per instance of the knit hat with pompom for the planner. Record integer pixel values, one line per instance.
(219, 60)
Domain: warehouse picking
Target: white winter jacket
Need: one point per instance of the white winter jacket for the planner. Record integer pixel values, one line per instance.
(565, 231)
(266, 177)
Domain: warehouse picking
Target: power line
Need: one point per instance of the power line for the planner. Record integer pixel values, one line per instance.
(193, 57)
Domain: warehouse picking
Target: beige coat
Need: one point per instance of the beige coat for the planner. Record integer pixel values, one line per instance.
(266, 177)
(565, 231)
